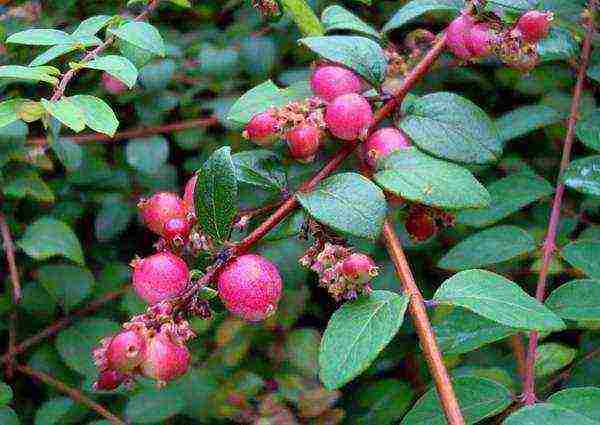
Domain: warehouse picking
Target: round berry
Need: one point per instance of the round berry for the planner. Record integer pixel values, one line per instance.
(108, 380)
(125, 351)
(330, 81)
(177, 228)
(160, 277)
(359, 268)
(262, 129)
(382, 143)
(479, 40)
(457, 35)
(112, 85)
(157, 210)
(250, 287)
(188, 194)
(535, 25)
(304, 141)
(348, 116)
(165, 359)
(420, 225)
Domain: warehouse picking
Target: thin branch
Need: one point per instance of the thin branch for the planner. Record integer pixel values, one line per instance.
(75, 394)
(518, 350)
(550, 241)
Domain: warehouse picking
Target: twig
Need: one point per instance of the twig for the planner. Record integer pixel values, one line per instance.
(76, 395)
(550, 241)
(518, 350)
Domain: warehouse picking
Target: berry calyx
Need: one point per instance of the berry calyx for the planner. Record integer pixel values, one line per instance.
(177, 228)
(457, 35)
(535, 25)
(160, 277)
(250, 287)
(157, 210)
(112, 85)
(382, 143)
(479, 40)
(165, 359)
(125, 351)
(304, 141)
(330, 81)
(108, 380)
(349, 116)
(359, 268)
(188, 193)
(262, 129)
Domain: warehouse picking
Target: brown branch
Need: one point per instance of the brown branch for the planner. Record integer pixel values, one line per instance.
(550, 241)
(75, 394)
(518, 350)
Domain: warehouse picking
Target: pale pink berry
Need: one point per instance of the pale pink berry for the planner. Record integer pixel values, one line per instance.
(535, 25)
(188, 194)
(330, 81)
(304, 141)
(479, 40)
(382, 143)
(157, 210)
(349, 116)
(457, 35)
(112, 85)
(165, 359)
(359, 268)
(108, 380)
(125, 351)
(250, 287)
(177, 228)
(160, 277)
(262, 129)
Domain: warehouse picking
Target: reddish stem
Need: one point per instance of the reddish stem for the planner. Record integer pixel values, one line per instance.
(518, 349)
(550, 241)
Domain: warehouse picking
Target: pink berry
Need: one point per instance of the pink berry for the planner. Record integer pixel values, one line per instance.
(108, 380)
(125, 351)
(177, 228)
(329, 82)
(250, 287)
(535, 25)
(160, 208)
(457, 35)
(348, 116)
(160, 277)
(382, 143)
(165, 359)
(304, 141)
(188, 194)
(262, 129)
(479, 40)
(112, 85)
(359, 268)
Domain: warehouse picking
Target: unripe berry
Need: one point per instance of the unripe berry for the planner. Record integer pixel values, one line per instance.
(165, 359)
(250, 287)
(330, 81)
(160, 208)
(304, 141)
(160, 277)
(125, 351)
(108, 380)
(349, 116)
(479, 40)
(188, 194)
(177, 228)
(262, 129)
(112, 85)
(457, 35)
(382, 143)
(359, 268)
(535, 25)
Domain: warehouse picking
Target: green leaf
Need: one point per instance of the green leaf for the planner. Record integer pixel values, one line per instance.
(114, 216)
(576, 300)
(141, 35)
(302, 14)
(588, 130)
(356, 334)
(508, 195)
(302, 350)
(383, 402)
(47, 237)
(28, 184)
(362, 55)
(261, 168)
(53, 53)
(559, 45)
(67, 112)
(547, 414)
(583, 255)
(479, 398)
(490, 246)
(154, 405)
(583, 175)
(497, 298)
(25, 73)
(75, 344)
(67, 151)
(416, 176)
(40, 37)
(594, 73)
(452, 127)
(97, 115)
(118, 66)
(585, 401)
(58, 411)
(182, 3)
(6, 394)
(147, 155)
(524, 120)
(92, 25)
(9, 111)
(337, 18)
(259, 99)
(416, 8)
(68, 285)
(216, 195)
(8, 416)
(348, 203)
(551, 357)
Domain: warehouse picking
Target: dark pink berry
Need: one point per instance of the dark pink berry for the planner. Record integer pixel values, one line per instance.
(108, 380)
(157, 210)
(160, 277)
(535, 25)
(125, 351)
(250, 287)
(457, 35)
(348, 116)
(382, 143)
(359, 268)
(112, 85)
(479, 40)
(165, 359)
(304, 141)
(330, 81)
(177, 228)
(188, 194)
(262, 129)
